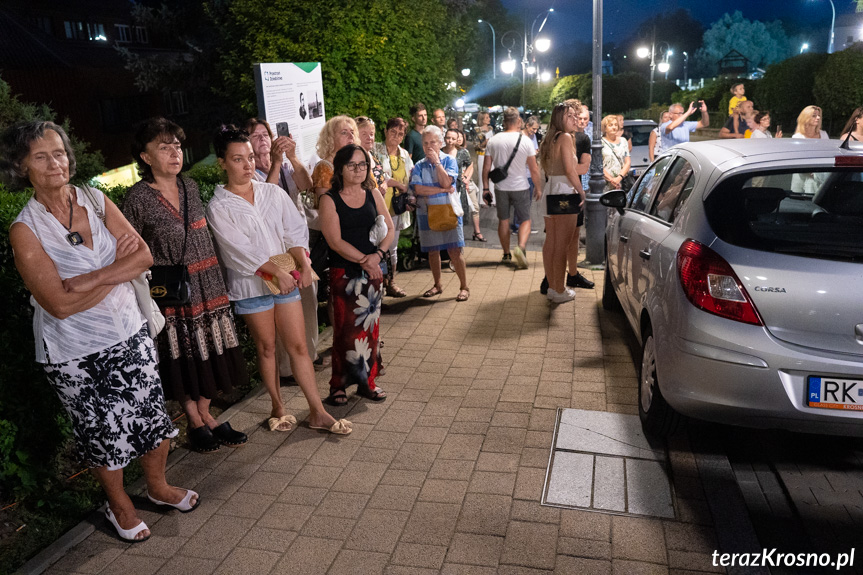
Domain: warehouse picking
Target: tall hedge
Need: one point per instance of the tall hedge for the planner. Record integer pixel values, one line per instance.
(837, 87)
(787, 88)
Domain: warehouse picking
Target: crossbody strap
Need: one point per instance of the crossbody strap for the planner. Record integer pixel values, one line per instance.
(185, 219)
(514, 151)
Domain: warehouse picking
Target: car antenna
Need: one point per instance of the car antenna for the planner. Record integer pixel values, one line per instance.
(846, 145)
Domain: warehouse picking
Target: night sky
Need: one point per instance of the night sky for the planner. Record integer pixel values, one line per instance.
(622, 16)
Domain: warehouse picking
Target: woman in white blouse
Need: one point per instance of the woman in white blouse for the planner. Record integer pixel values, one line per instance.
(253, 221)
(76, 254)
(809, 124)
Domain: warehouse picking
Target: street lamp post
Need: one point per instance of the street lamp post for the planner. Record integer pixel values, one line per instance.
(508, 65)
(685, 66)
(596, 214)
(541, 44)
(832, 25)
(644, 52)
(493, 45)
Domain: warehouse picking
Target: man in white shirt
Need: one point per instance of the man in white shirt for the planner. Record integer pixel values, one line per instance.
(513, 191)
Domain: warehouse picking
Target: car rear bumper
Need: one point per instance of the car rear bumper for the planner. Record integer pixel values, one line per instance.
(767, 390)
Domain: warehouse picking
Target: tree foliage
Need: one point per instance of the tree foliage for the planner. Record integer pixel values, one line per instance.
(787, 88)
(378, 56)
(837, 89)
(762, 43)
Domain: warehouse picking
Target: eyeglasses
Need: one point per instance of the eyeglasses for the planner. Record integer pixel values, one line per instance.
(357, 166)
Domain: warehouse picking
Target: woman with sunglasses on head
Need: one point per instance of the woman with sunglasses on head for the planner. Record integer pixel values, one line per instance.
(348, 213)
(252, 222)
(397, 165)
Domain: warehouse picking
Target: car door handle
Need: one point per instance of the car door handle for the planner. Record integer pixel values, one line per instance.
(644, 254)
(624, 239)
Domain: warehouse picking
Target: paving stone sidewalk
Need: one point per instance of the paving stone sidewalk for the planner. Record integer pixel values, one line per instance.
(447, 474)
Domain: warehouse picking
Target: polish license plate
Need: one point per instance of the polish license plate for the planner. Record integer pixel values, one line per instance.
(835, 393)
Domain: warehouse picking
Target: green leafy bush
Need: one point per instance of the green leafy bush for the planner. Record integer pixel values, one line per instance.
(787, 88)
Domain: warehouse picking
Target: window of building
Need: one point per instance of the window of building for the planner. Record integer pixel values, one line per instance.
(122, 113)
(175, 102)
(43, 23)
(76, 30)
(124, 32)
(141, 35)
(96, 32)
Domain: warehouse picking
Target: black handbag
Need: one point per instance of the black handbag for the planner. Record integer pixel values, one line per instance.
(169, 285)
(563, 204)
(627, 182)
(403, 202)
(500, 174)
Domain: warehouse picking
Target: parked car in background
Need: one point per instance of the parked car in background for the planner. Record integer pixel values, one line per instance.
(639, 132)
(739, 266)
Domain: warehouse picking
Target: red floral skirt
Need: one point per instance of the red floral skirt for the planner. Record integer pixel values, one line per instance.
(356, 320)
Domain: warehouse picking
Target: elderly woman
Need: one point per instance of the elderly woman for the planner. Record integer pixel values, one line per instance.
(199, 353)
(762, 126)
(291, 176)
(90, 334)
(809, 124)
(397, 165)
(252, 222)
(433, 181)
(615, 153)
(348, 213)
(558, 160)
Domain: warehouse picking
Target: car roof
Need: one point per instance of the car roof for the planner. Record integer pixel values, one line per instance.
(638, 122)
(728, 154)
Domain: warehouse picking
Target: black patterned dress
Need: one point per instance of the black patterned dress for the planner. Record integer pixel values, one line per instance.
(199, 352)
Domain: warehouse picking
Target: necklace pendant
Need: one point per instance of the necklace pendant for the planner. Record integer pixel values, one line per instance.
(74, 239)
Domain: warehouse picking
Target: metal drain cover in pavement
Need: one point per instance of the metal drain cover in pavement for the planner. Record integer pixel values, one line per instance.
(602, 461)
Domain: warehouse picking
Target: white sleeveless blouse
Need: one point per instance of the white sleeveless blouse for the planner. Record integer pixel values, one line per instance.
(111, 321)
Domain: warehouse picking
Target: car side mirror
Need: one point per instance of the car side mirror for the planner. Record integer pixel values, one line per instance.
(614, 199)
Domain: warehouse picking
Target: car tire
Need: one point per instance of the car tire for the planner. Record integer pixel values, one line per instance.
(657, 417)
(609, 298)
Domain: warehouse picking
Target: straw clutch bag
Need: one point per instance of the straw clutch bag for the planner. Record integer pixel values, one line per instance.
(285, 262)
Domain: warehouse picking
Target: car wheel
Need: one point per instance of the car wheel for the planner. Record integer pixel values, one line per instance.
(609, 298)
(657, 417)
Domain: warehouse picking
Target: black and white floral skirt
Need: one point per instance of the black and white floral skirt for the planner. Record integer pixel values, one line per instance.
(114, 399)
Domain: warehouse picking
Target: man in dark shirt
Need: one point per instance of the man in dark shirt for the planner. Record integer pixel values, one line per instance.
(738, 122)
(414, 144)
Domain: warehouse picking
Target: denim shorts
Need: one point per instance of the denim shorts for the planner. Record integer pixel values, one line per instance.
(264, 302)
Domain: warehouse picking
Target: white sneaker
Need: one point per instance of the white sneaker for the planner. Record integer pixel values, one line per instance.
(555, 297)
(520, 258)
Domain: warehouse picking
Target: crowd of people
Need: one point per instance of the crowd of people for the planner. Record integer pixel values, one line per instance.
(277, 234)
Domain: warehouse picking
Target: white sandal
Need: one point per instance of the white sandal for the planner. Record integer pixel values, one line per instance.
(126, 534)
(183, 506)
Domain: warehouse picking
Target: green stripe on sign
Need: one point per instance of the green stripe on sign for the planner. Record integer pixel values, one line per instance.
(306, 66)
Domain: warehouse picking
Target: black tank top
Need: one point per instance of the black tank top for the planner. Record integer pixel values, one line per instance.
(355, 225)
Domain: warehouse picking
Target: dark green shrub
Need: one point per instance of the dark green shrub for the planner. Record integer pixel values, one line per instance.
(787, 88)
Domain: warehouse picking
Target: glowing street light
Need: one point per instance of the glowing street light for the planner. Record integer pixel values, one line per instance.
(459, 103)
(531, 69)
(508, 66)
(542, 44)
(663, 67)
(465, 72)
(545, 76)
(804, 47)
(644, 52)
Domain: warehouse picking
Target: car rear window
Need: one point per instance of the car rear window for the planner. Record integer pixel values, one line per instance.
(640, 135)
(814, 213)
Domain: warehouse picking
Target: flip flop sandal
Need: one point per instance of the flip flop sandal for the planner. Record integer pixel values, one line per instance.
(183, 506)
(337, 398)
(377, 395)
(340, 427)
(277, 423)
(462, 295)
(433, 292)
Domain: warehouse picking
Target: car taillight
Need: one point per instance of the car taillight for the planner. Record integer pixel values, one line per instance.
(710, 284)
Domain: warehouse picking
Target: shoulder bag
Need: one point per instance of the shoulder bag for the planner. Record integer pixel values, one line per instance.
(169, 285)
(500, 174)
(149, 309)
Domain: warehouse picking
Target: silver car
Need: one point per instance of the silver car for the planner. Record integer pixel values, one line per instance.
(739, 265)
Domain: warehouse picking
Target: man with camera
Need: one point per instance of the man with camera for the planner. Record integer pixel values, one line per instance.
(677, 130)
